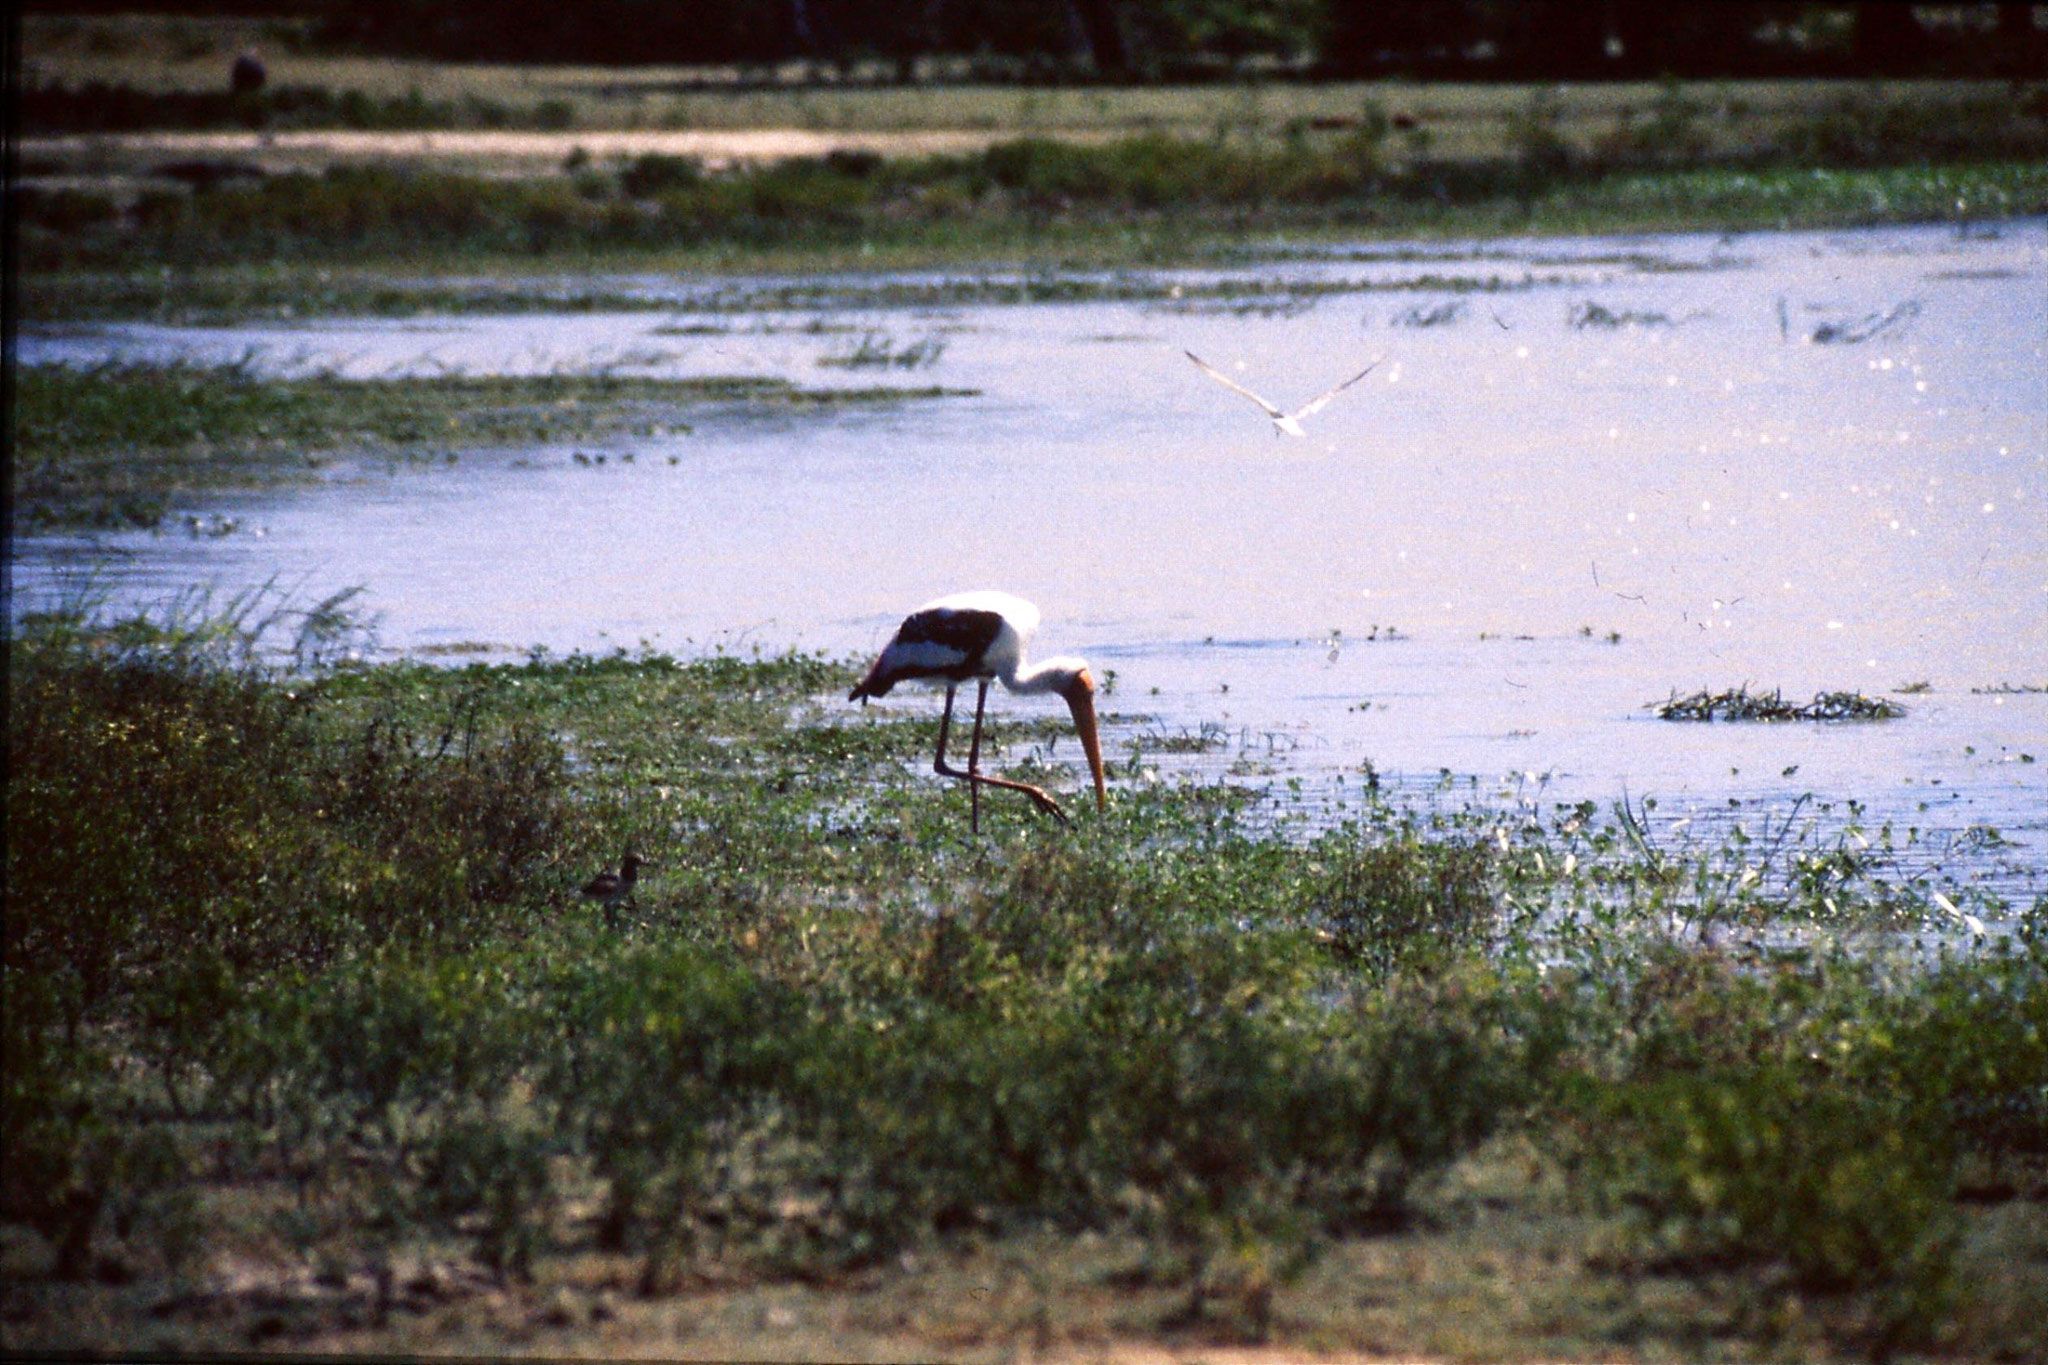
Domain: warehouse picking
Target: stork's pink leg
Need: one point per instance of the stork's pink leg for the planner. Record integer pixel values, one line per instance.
(945, 724)
(973, 776)
(974, 761)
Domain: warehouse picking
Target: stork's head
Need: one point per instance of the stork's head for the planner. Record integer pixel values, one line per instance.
(1077, 685)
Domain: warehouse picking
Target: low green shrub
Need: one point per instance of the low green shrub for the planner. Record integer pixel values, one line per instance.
(655, 1050)
(495, 1170)
(145, 804)
(649, 175)
(173, 817)
(66, 1151)
(1971, 1042)
(1385, 902)
(1806, 1119)
(1779, 1166)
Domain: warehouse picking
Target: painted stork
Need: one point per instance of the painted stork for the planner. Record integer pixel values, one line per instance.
(982, 635)
(1284, 423)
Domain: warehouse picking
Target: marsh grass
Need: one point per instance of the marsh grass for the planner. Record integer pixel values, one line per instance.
(298, 976)
(116, 444)
(1429, 315)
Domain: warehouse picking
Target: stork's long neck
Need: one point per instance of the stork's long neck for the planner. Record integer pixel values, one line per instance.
(1070, 678)
(1049, 676)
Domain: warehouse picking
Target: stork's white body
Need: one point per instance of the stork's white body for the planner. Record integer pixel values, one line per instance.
(960, 636)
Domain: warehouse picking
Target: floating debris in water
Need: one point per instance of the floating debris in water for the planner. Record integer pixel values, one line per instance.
(1590, 314)
(1866, 327)
(1742, 704)
(1427, 315)
(878, 349)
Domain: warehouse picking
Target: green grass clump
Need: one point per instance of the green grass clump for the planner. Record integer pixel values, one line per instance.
(876, 350)
(1389, 903)
(1827, 1186)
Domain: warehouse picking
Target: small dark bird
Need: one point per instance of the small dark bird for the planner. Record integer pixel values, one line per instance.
(248, 74)
(614, 887)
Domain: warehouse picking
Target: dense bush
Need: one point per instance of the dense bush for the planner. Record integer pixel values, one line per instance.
(647, 176)
(182, 829)
(1807, 1120)
(1778, 1165)
(162, 807)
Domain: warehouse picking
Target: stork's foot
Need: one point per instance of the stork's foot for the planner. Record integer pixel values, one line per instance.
(1039, 796)
(1045, 803)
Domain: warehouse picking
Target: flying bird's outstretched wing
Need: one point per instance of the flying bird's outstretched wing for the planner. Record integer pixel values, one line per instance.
(1289, 423)
(1316, 405)
(1227, 382)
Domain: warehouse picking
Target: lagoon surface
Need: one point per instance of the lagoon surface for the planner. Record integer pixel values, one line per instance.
(1583, 475)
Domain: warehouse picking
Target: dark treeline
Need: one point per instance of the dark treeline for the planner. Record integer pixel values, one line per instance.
(1136, 40)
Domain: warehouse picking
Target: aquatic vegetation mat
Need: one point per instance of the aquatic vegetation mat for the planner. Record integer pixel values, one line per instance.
(1742, 704)
(299, 975)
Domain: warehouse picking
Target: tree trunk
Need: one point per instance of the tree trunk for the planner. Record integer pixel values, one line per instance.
(1096, 22)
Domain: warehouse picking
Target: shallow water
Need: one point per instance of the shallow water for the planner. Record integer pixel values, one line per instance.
(1683, 466)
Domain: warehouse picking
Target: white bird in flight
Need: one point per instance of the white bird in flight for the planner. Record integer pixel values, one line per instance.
(1288, 423)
